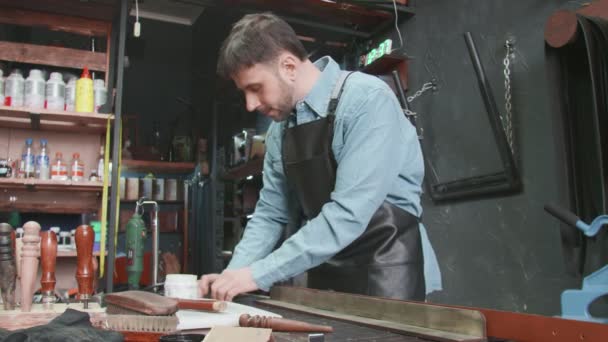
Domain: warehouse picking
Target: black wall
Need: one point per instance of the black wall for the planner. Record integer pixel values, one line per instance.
(159, 71)
(502, 252)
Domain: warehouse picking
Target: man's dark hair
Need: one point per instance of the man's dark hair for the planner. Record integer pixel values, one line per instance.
(257, 38)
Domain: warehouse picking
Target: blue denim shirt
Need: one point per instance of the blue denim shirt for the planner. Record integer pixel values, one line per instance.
(379, 158)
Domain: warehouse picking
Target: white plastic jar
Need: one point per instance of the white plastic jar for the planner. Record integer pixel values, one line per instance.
(100, 94)
(70, 95)
(181, 286)
(14, 89)
(55, 92)
(34, 90)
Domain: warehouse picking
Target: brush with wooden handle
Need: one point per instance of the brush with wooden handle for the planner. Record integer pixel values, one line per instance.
(148, 303)
(281, 324)
(48, 259)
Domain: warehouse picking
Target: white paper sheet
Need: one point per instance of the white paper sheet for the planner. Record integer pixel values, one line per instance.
(190, 319)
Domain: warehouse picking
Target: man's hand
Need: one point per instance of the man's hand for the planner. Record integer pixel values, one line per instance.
(228, 284)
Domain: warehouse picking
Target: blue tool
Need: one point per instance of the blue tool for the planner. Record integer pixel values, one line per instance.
(575, 303)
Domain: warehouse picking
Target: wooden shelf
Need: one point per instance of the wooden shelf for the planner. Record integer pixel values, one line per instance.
(250, 168)
(145, 166)
(52, 55)
(40, 184)
(71, 253)
(386, 64)
(43, 119)
(157, 201)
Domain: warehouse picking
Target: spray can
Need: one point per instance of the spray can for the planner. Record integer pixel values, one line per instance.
(43, 164)
(1, 88)
(59, 170)
(84, 93)
(27, 159)
(70, 95)
(14, 89)
(135, 241)
(77, 168)
(100, 94)
(34, 90)
(55, 92)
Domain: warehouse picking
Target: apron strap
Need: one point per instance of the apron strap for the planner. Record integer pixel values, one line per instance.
(337, 92)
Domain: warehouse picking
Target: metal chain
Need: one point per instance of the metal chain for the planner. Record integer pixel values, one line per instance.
(425, 87)
(507, 119)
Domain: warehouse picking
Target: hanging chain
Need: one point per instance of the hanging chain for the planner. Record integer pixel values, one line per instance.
(507, 119)
(425, 87)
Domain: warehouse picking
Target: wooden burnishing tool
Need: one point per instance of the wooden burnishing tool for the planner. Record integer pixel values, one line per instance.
(29, 263)
(85, 237)
(48, 259)
(8, 269)
(281, 324)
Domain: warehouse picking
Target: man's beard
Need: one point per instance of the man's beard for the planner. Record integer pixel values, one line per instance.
(285, 105)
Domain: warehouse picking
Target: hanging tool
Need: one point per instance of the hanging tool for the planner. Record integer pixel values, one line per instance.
(576, 303)
(29, 263)
(136, 238)
(85, 237)
(48, 258)
(8, 269)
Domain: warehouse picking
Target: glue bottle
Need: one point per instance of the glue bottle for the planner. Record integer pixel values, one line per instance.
(84, 93)
(34, 90)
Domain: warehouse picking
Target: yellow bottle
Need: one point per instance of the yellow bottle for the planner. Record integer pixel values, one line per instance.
(84, 93)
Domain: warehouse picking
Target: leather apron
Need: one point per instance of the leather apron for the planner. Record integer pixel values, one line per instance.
(386, 260)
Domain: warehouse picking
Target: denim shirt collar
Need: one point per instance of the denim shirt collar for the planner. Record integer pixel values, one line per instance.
(320, 94)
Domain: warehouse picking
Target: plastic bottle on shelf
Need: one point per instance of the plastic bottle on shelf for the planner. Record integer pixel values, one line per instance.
(59, 170)
(14, 88)
(84, 93)
(43, 163)
(70, 95)
(55, 92)
(34, 90)
(77, 168)
(28, 159)
(100, 164)
(100, 94)
(1, 88)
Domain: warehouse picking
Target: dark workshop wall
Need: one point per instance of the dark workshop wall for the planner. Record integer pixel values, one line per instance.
(502, 252)
(159, 71)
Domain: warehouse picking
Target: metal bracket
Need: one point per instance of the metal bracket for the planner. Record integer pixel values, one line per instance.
(35, 120)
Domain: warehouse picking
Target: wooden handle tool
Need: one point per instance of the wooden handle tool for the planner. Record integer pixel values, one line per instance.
(85, 237)
(201, 305)
(8, 269)
(29, 263)
(48, 258)
(281, 324)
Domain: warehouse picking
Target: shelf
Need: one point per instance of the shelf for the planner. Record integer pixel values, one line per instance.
(52, 55)
(157, 201)
(71, 253)
(145, 166)
(384, 64)
(43, 119)
(40, 184)
(250, 168)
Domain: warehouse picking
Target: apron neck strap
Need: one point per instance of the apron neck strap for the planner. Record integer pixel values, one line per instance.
(337, 92)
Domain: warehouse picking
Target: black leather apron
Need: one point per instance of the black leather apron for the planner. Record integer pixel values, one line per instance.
(386, 260)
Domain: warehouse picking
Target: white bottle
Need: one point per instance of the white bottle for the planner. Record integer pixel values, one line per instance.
(28, 159)
(34, 90)
(100, 94)
(77, 168)
(70, 95)
(43, 163)
(55, 92)
(100, 164)
(14, 88)
(1, 89)
(59, 169)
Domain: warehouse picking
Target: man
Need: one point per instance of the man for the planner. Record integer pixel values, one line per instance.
(341, 152)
